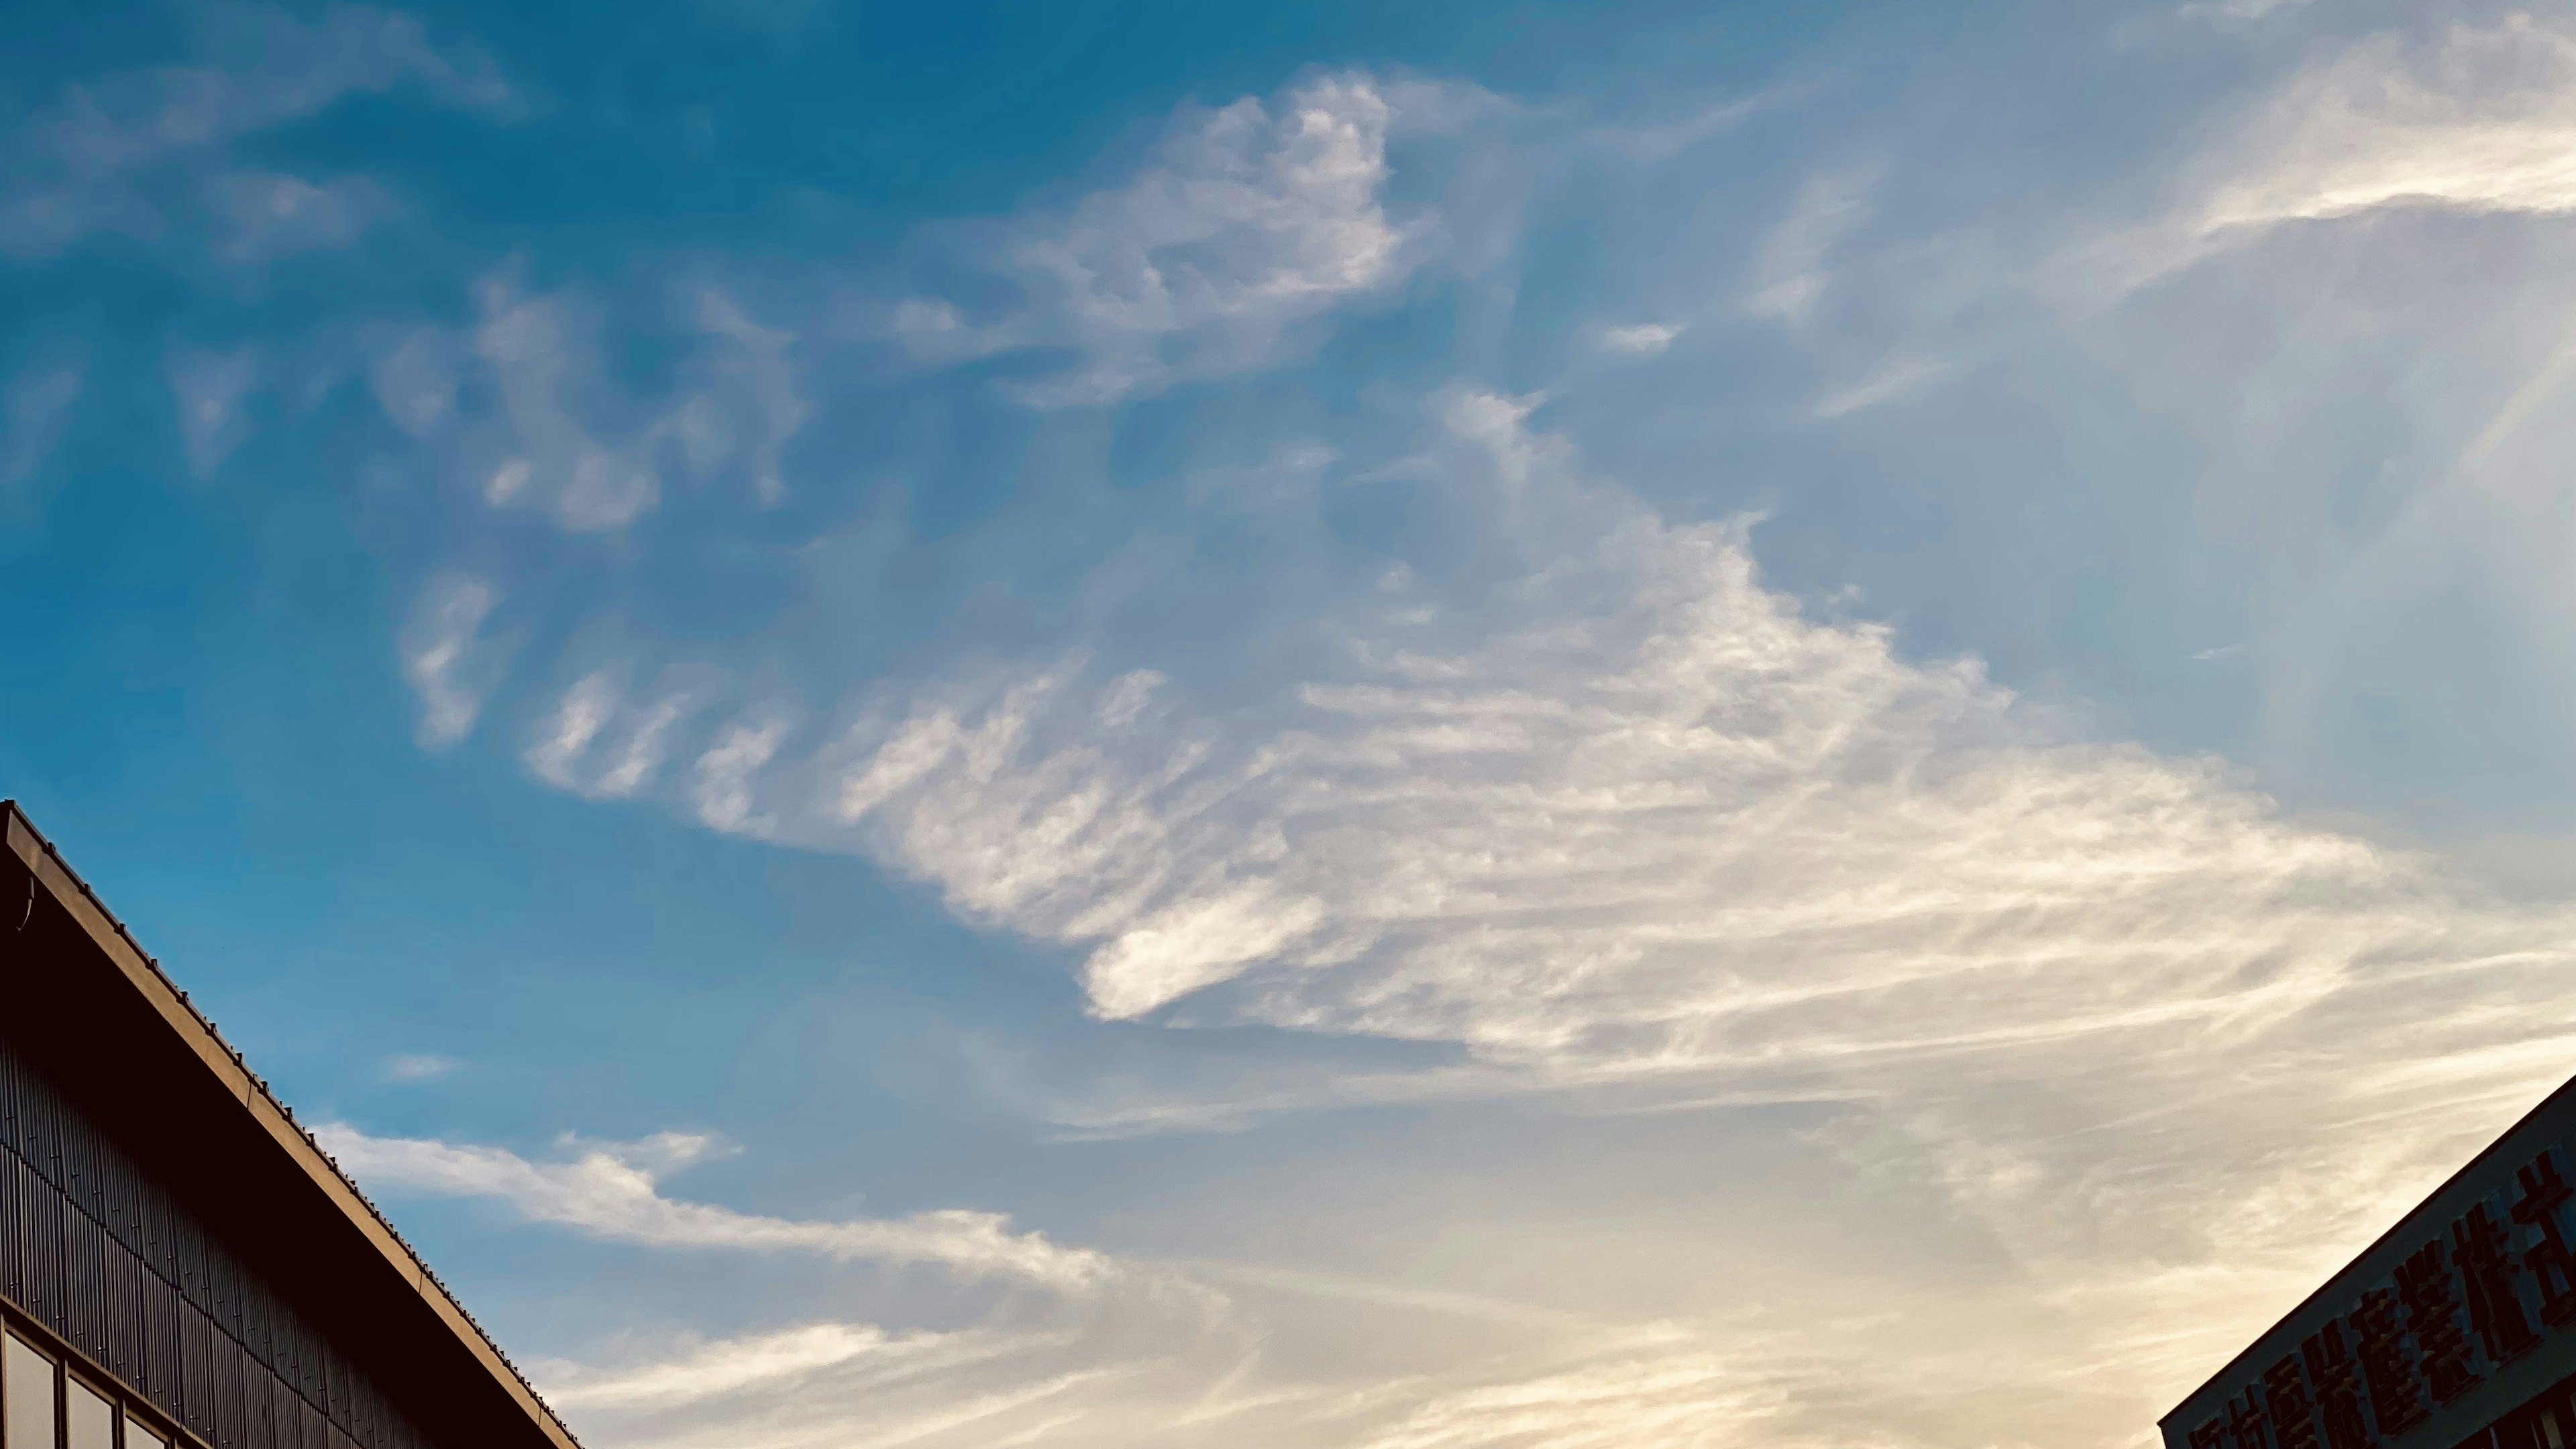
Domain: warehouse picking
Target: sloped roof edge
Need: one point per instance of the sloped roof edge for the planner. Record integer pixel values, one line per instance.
(232, 1076)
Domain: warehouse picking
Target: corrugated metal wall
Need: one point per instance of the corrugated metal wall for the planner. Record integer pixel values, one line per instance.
(98, 1253)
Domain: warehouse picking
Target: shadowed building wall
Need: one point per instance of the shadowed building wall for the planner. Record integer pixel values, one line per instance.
(181, 1267)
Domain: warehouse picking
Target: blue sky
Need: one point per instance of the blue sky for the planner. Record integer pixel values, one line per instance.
(1531, 725)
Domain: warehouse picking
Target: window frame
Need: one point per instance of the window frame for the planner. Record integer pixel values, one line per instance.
(70, 1365)
(41, 1348)
(65, 1377)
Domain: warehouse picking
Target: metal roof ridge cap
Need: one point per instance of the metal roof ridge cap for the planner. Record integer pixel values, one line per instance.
(14, 822)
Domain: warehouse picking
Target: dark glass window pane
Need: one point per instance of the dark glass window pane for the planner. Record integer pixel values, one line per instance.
(91, 1419)
(27, 1386)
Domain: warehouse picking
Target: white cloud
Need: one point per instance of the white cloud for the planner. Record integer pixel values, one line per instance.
(1629, 823)
(1878, 322)
(611, 1191)
(1173, 1380)
(2473, 118)
(1634, 829)
(603, 744)
(763, 1361)
(446, 658)
(727, 772)
(2351, 303)
(860, 1412)
(1249, 222)
(1682, 1397)
(1791, 273)
(89, 166)
(415, 380)
(263, 217)
(1895, 376)
(759, 412)
(2483, 119)
(38, 405)
(1644, 814)
(578, 719)
(210, 387)
(1643, 339)
(2236, 12)
(1657, 144)
(1637, 813)
(569, 439)
(418, 1067)
(542, 353)
(1369, 1367)
(1287, 478)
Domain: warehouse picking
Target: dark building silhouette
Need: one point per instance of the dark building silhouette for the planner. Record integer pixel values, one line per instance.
(2456, 1330)
(180, 1264)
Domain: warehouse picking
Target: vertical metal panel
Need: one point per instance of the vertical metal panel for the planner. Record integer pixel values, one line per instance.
(11, 1138)
(85, 1246)
(13, 1199)
(188, 1256)
(38, 1147)
(285, 1415)
(310, 1379)
(152, 1230)
(285, 1345)
(117, 1189)
(223, 1290)
(281, 1340)
(161, 1308)
(227, 1379)
(257, 1387)
(259, 1410)
(364, 1413)
(79, 1180)
(124, 1316)
(103, 1256)
(197, 1369)
(40, 1246)
(335, 1377)
(254, 1323)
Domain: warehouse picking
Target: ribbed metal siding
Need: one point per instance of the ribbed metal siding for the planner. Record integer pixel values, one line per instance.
(97, 1252)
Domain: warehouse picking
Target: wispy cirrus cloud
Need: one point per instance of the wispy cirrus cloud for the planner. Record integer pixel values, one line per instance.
(1679, 1396)
(606, 742)
(1601, 815)
(212, 387)
(1790, 273)
(2478, 117)
(447, 658)
(1247, 224)
(1622, 818)
(612, 1191)
(37, 402)
(2470, 116)
(418, 1067)
(840, 1383)
(1634, 657)
(263, 217)
(553, 431)
(116, 154)
(760, 1361)
(1638, 339)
